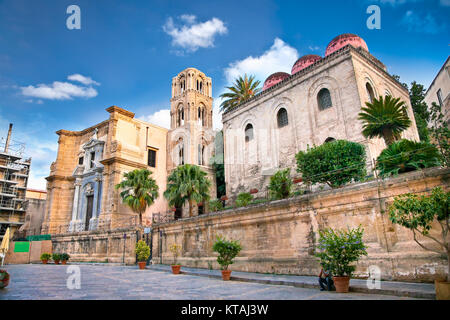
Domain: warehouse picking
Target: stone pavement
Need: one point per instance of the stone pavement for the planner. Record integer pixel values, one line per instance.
(49, 282)
(395, 288)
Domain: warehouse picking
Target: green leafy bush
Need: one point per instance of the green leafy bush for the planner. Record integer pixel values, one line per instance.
(227, 251)
(4, 277)
(56, 256)
(45, 256)
(65, 257)
(280, 185)
(339, 249)
(334, 163)
(243, 199)
(215, 205)
(405, 156)
(142, 251)
(418, 213)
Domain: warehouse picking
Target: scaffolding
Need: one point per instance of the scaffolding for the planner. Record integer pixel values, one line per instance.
(14, 174)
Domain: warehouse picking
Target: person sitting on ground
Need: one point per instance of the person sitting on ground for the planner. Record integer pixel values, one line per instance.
(325, 279)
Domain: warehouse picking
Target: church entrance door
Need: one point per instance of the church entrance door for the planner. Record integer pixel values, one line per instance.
(90, 206)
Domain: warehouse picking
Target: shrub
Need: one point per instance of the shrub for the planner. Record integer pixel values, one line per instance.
(56, 256)
(243, 199)
(280, 185)
(405, 156)
(339, 249)
(45, 256)
(227, 251)
(215, 205)
(65, 257)
(334, 163)
(418, 213)
(175, 249)
(142, 251)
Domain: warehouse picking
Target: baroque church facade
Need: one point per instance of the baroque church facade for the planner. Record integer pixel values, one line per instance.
(318, 102)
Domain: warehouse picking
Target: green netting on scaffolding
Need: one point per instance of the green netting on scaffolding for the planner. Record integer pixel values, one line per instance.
(39, 237)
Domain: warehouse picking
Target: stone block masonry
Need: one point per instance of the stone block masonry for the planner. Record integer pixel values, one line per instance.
(281, 236)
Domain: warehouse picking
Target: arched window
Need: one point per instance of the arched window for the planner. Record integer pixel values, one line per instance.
(387, 93)
(370, 93)
(248, 133)
(324, 99)
(181, 154)
(282, 118)
(180, 119)
(330, 139)
(201, 149)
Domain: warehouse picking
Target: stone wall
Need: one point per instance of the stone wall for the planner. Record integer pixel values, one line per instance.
(98, 246)
(281, 236)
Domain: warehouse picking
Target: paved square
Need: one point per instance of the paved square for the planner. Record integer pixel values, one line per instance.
(128, 282)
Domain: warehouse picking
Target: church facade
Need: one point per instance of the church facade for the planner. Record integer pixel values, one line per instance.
(318, 102)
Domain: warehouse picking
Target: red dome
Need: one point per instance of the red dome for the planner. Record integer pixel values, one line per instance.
(343, 40)
(274, 79)
(304, 62)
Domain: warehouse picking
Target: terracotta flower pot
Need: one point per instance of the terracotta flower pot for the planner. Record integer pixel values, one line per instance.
(224, 198)
(56, 261)
(142, 264)
(44, 261)
(442, 290)
(63, 261)
(253, 191)
(226, 274)
(342, 284)
(298, 180)
(176, 269)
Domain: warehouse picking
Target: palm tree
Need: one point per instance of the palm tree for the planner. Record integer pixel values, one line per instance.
(187, 182)
(385, 118)
(242, 90)
(139, 190)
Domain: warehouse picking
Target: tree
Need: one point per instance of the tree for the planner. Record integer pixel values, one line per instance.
(334, 163)
(139, 190)
(219, 170)
(280, 185)
(405, 156)
(187, 183)
(418, 213)
(242, 90)
(440, 133)
(421, 114)
(384, 118)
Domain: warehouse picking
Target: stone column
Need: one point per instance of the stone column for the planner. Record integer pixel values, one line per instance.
(75, 207)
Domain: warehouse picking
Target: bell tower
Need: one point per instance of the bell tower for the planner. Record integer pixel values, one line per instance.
(190, 139)
(191, 136)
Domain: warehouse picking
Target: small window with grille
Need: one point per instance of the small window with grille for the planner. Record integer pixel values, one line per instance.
(282, 118)
(152, 158)
(324, 99)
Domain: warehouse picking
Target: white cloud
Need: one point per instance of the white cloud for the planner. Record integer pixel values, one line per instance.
(280, 57)
(445, 3)
(160, 118)
(59, 91)
(84, 80)
(192, 35)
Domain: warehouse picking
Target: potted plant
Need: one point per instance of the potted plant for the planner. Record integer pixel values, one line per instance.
(45, 257)
(175, 249)
(227, 251)
(418, 213)
(56, 257)
(64, 258)
(338, 251)
(4, 279)
(143, 252)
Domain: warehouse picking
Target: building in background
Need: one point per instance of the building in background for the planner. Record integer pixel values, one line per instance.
(439, 91)
(35, 209)
(14, 172)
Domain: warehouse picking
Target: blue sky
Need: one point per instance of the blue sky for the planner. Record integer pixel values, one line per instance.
(127, 52)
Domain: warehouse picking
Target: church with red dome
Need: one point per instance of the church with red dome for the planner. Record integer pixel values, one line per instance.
(317, 102)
